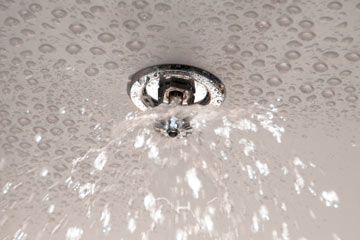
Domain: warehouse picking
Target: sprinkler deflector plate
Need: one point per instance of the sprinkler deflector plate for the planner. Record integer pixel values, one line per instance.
(188, 85)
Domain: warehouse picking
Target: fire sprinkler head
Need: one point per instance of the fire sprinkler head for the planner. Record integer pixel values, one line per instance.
(175, 84)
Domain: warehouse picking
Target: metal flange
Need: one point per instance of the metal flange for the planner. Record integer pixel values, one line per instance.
(182, 84)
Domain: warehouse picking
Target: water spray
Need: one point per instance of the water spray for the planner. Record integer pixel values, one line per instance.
(175, 85)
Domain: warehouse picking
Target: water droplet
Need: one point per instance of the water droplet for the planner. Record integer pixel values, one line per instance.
(295, 100)
(214, 20)
(162, 7)
(35, 7)
(74, 233)
(350, 89)
(97, 51)
(334, 81)
(292, 54)
(135, 45)
(284, 21)
(306, 88)
(56, 131)
(293, 9)
(258, 63)
(122, 4)
(38, 138)
(343, 25)
(235, 28)
(256, 77)
(306, 24)
(331, 39)
(352, 56)
(23, 121)
(231, 48)
(155, 28)
(236, 65)
(15, 41)
(328, 93)
(131, 24)
(87, 15)
(294, 44)
(27, 32)
(77, 28)
(91, 71)
(73, 48)
(274, 81)
(46, 48)
(232, 17)
(330, 54)
(345, 73)
(261, 47)
(97, 10)
(320, 67)
(145, 16)
(255, 91)
(307, 35)
(262, 25)
(51, 118)
(60, 63)
(111, 65)
(59, 13)
(251, 14)
(334, 5)
(132, 225)
(352, 98)
(10, 21)
(140, 4)
(26, 14)
(16, 61)
(234, 38)
(268, 7)
(32, 81)
(283, 67)
(106, 37)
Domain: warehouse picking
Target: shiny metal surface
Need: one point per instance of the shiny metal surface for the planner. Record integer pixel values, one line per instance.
(152, 86)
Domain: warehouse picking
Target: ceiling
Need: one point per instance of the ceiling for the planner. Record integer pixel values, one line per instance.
(64, 69)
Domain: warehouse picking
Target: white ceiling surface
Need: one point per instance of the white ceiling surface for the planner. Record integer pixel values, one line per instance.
(64, 66)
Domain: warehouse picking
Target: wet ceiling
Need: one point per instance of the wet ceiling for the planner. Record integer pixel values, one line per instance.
(298, 54)
(64, 68)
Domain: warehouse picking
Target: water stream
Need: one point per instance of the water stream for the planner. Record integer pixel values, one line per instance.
(224, 180)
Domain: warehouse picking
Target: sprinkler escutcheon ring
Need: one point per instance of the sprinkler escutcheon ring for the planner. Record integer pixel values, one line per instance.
(175, 83)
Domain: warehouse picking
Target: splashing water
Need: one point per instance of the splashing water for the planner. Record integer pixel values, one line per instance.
(225, 180)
